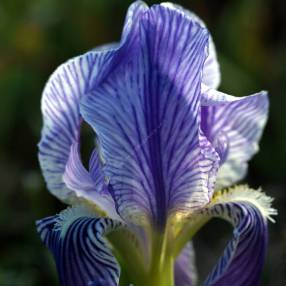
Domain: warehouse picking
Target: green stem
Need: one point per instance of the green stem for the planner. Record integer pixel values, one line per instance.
(163, 276)
(135, 269)
(188, 232)
(162, 263)
(128, 255)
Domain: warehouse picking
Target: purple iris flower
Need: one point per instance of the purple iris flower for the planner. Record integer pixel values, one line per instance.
(166, 143)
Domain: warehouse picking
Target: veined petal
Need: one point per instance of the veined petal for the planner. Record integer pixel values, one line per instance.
(90, 184)
(234, 126)
(243, 258)
(185, 269)
(146, 117)
(77, 178)
(211, 70)
(82, 255)
(60, 102)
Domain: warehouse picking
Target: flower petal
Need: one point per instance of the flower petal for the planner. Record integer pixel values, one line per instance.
(89, 184)
(211, 71)
(77, 178)
(243, 258)
(234, 126)
(82, 255)
(185, 269)
(146, 117)
(60, 102)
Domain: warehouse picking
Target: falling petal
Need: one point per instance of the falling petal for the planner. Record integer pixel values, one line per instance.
(243, 258)
(82, 255)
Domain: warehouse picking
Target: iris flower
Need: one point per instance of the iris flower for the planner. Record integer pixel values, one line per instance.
(166, 145)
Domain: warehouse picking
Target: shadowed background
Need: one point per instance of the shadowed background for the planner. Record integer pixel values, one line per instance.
(36, 36)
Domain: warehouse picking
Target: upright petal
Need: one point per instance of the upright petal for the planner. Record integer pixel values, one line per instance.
(234, 126)
(243, 258)
(146, 117)
(211, 71)
(82, 255)
(185, 269)
(60, 102)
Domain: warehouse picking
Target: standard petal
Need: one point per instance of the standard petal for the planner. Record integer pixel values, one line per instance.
(211, 70)
(185, 269)
(243, 258)
(82, 255)
(60, 102)
(234, 126)
(146, 117)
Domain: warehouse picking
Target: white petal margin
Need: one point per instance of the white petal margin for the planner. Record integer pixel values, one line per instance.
(211, 71)
(83, 256)
(234, 126)
(242, 261)
(185, 268)
(60, 102)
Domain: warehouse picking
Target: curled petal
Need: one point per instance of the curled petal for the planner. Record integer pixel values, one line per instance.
(82, 255)
(146, 116)
(185, 269)
(234, 126)
(62, 119)
(77, 178)
(89, 184)
(60, 102)
(243, 258)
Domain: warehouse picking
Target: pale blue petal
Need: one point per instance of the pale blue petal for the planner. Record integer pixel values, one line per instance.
(77, 178)
(89, 184)
(60, 102)
(234, 126)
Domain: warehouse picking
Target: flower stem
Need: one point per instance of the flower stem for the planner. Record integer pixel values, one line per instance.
(162, 263)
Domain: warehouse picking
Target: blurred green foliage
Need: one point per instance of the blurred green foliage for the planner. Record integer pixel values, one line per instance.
(37, 35)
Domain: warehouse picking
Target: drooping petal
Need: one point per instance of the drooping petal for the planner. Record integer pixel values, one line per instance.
(185, 269)
(211, 70)
(82, 255)
(243, 258)
(60, 102)
(89, 184)
(145, 114)
(234, 126)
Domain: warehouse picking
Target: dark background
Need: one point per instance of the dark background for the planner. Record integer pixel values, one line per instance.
(36, 36)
